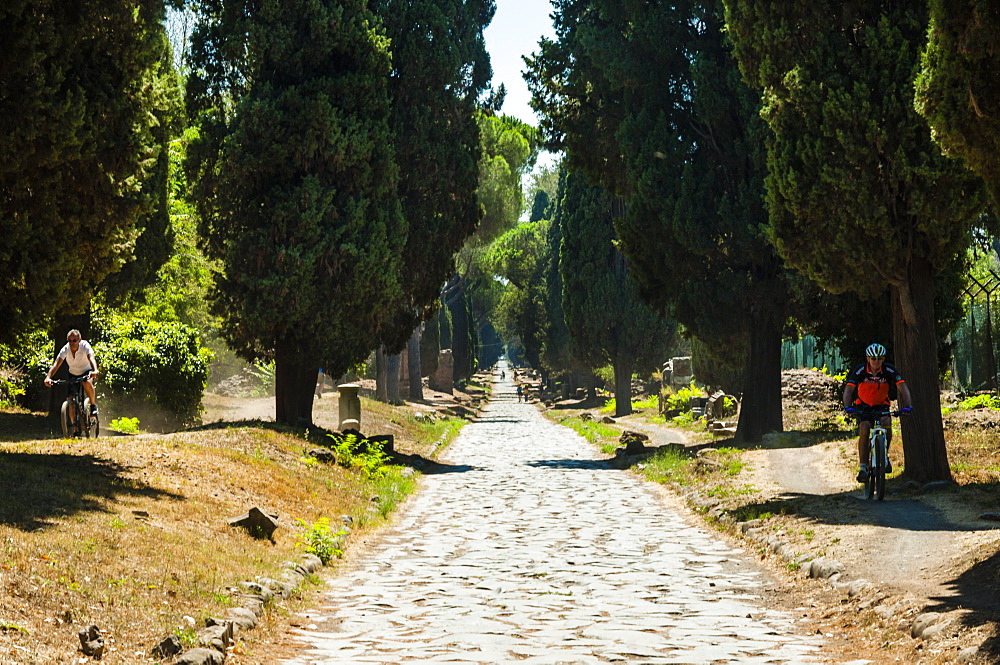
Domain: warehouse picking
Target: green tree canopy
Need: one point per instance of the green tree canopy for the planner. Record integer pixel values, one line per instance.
(957, 88)
(860, 199)
(296, 183)
(440, 68)
(682, 143)
(77, 109)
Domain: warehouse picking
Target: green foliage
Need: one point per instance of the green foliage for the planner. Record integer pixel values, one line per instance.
(180, 290)
(592, 430)
(264, 373)
(80, 104)
(125, 425)
(319, 539)
(681, 399)
(688, 158)
(668, 465)
(607, 322)
(150, 364)
(980, 402)
(956, 87)
(295, 180)
(438, 73)
(364, 455)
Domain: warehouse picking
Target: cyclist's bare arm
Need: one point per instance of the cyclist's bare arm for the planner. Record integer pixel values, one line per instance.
(53, 370)
(904, 396)
(848, 395)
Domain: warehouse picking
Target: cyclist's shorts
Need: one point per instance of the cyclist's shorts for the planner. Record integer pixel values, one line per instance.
(73, 388)
(872, 414)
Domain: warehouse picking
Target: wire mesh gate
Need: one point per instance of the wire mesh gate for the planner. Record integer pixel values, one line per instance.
(975, 354)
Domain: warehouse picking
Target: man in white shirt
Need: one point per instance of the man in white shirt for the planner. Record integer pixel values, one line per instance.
(79, 358)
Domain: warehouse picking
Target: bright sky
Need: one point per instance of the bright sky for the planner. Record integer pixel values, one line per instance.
(515, 31)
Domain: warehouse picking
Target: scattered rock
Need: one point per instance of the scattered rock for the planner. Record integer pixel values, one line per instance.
(168, 646)
(92, 642)
(856, 587)
(201, 656)
(823, 568)
(923, 622)
(257, 523)
(323, 454)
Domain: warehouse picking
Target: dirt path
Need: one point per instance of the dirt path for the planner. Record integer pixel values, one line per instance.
(913, 545)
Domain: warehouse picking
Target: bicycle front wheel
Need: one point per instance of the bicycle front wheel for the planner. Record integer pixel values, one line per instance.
(877, 476)
(65, 421)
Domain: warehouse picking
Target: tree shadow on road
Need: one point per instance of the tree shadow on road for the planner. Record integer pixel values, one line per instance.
(589, 464)
(977, 589)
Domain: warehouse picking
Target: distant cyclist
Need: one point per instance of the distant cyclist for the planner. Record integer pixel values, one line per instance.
(868, 395)
(79, 358)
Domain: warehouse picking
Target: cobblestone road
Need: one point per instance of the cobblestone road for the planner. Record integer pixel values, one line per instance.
(534, 551)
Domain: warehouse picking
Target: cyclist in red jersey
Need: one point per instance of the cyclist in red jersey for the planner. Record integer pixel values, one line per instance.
(867, 395)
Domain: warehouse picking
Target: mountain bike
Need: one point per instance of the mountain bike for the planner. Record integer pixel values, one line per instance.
(878, 455)
(74, 415)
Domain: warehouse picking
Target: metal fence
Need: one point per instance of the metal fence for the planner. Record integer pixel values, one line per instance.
(974, 355)
(805, 352)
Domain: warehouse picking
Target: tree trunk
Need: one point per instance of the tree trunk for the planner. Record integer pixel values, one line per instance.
(760, 409)
(460, 351)
(392, 366)
(294, 388)
(914, 331)
(381, 375)
(623, 387)
(414, 364)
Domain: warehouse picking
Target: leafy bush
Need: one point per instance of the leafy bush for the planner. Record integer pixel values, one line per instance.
(24, 366)
(319, 539)
(125, 425)
(355, 452)
(681, 400)
(159, 365)
(980, 402)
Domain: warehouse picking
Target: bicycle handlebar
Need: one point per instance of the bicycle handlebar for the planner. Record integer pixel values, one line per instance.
(79, 379)
(876, 412)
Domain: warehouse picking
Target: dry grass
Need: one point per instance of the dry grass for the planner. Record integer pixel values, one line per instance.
(130, 532)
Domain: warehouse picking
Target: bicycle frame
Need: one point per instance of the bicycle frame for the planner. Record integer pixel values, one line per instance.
(82, 422)
(878, 454)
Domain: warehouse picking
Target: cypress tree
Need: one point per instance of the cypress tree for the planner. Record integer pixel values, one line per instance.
(296, 183)
(76, 115)
(860, 199)
(440, 67)
(607, 322)
(957, 87)
(687, 159)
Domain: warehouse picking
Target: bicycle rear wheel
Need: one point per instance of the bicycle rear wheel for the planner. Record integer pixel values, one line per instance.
(65, 421)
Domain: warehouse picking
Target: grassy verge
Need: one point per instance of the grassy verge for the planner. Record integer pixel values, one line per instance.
(130, 533)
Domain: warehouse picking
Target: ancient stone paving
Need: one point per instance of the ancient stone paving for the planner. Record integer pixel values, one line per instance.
(533, 551)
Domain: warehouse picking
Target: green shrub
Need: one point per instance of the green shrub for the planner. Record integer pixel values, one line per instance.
(125, 425)
(158, 369)
(319, 539)
(24, 366)
(681, 399)
(980, 402)
(367, 456)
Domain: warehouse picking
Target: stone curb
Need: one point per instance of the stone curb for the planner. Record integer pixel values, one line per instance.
(253, 599)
